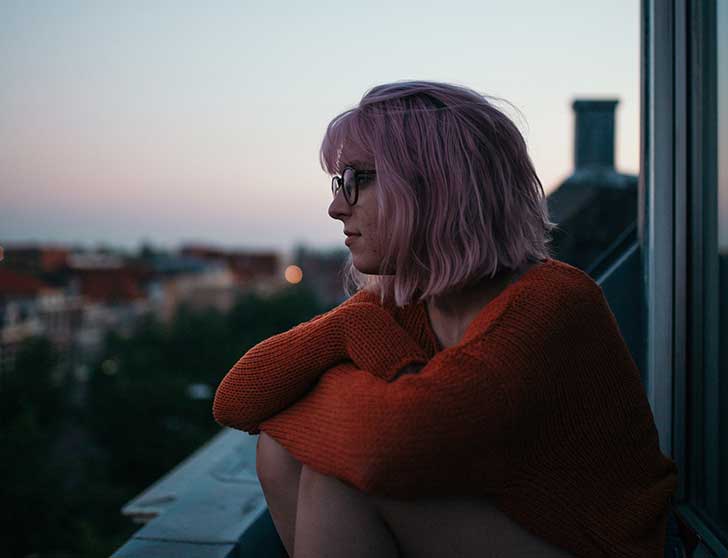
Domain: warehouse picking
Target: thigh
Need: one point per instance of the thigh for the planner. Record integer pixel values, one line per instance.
(279, 474)
(274, 464)
(336, 519)
(460, 528)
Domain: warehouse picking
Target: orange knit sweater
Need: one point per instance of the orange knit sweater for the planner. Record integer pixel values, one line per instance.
(540, 406)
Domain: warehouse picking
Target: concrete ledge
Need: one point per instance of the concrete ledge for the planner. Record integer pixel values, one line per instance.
(210, 505)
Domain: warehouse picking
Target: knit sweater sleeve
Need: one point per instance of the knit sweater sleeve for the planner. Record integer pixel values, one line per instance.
(281, 369)
(410, 435)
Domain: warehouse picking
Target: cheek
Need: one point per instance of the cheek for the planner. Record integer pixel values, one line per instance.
(370, 224)
(372, 242)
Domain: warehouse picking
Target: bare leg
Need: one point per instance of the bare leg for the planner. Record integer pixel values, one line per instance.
(460, 528)
(331, 518)
(336, 520)
(279, 473)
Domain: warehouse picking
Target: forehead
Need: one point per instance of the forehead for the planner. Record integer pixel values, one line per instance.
(354, 156)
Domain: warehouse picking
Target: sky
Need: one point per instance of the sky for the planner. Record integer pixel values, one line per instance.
(175, 122)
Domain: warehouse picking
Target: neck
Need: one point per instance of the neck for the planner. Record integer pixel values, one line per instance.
(459, 303)
(451, 314)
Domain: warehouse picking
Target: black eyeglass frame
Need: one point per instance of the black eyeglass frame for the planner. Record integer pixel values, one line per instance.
(337, 183)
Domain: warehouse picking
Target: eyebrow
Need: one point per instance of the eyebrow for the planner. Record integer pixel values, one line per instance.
(359, 165)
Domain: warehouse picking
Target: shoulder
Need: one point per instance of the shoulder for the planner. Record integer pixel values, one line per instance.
(360, 301)
(343, 307)
(547, 302)
(557, 304)
(361, 296)
(563, 283)
(370, 297)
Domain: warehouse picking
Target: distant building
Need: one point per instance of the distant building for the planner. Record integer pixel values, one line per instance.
(112, 286)
(34, 259)
(114, 293)
(76, 298)
(191, 280)
(29, 307)
(247, 266)
(596, 206)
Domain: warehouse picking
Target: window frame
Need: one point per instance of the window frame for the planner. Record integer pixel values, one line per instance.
(678, 231)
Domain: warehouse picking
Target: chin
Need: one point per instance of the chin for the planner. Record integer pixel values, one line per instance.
(368, 268)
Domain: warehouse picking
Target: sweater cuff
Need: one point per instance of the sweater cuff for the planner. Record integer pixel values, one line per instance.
(375, 342)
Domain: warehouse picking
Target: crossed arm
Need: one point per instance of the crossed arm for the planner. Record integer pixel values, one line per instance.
(350, 394)
(446, 428)
(281, 369)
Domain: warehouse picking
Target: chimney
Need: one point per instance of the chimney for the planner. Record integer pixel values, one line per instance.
(594, 134)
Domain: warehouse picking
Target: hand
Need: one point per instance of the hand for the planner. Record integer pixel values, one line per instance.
(375, 341)
(412, 368)
(409, 369)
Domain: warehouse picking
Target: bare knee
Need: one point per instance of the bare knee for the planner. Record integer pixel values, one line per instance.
(279, 473)
(274, 464)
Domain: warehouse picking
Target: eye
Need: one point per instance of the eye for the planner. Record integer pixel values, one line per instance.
(364, 178)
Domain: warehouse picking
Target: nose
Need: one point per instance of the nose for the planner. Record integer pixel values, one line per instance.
(339, 208)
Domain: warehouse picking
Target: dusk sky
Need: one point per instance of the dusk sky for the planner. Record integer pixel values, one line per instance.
(178, 122)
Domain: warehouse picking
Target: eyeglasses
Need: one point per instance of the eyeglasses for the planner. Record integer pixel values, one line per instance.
(349, 181)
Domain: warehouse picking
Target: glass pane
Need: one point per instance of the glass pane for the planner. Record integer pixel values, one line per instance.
(720, 443)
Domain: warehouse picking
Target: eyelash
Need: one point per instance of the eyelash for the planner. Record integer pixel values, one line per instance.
(364, 179)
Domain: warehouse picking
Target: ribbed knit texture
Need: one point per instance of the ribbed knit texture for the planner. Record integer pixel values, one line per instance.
(278, 371)
(540, 406)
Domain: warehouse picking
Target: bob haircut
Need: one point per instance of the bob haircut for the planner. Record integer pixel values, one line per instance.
(457, 193)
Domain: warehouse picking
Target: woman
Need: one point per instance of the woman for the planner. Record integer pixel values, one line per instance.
(475, 396)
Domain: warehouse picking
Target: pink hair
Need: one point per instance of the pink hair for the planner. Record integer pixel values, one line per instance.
(457, 193)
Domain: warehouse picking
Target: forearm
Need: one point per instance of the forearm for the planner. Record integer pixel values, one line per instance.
(280, 370)
(276, 372)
